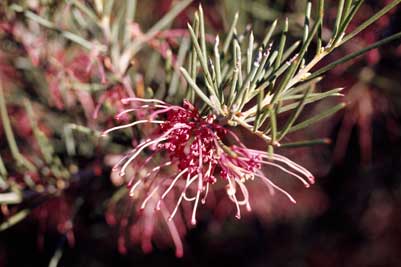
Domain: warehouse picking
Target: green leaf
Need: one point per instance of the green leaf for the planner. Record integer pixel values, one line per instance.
(347, 20)
(197, 89)
(86, 10)
(68, 35)
(283, 39)
(370, 21)
(217, 61)
(3, 170)
(295, 114)
(230, 34)
(249, 53)
(294, 65)
(320, 30)
(273, 124)
(340, 9)
(198, 50)
(354, 55)
(154, 30)
(317, 118)
(10, 198)
(308, 10)
(182, 51)
(269, 34)
(129, 18)
(20, 159)
(202, 36)
(14, 219)
(306, 143)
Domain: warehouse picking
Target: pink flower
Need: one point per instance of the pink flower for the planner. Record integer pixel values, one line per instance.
(143, 225)
(195, 147)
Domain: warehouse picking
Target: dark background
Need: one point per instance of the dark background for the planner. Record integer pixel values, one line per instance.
(359, 226)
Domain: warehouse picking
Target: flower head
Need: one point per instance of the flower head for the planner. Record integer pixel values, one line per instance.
(195, 147)
(138, 223)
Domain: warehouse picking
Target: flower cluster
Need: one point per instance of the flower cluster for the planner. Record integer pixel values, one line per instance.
(195, 147)
(142, 227)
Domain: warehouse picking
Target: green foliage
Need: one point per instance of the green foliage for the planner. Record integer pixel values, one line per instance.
(275, 80)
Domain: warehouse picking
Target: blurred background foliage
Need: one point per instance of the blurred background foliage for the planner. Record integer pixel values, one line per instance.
(351, 217)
